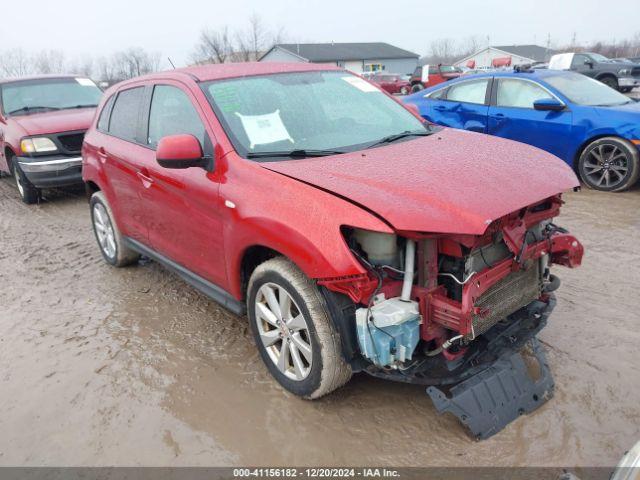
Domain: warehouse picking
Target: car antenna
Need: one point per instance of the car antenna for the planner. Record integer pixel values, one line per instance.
(169, 58)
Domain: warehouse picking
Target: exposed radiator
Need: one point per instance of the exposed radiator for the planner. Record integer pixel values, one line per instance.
(506, 297)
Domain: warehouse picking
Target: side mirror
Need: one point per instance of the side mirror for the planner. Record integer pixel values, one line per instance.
(548, 104)
(589, 63)
(180, 151)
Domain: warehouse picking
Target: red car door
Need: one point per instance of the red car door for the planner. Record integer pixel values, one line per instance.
(183, 205)
(122, 157)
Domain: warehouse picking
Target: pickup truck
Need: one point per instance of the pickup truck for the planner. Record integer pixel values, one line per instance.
(42, 125)
(617, 74)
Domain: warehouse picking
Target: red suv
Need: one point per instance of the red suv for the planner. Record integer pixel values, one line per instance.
(429, 75)
(355, 236)
(42, 125)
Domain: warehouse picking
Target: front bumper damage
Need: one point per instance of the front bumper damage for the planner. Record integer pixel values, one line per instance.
(493, 398)
(503, 375)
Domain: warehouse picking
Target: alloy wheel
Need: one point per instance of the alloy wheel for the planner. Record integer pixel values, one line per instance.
(606, 166)
(104, 230)
(283, 331)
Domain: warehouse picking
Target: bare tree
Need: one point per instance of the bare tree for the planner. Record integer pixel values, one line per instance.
(214, 46)
(15, 63)
(250, 43)
(468, 46)
(49, 61)
(441, 51)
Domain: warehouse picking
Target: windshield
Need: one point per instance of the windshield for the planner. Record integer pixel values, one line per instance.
(29, 96)
(599, 58)
(306, 111)
(583, 90)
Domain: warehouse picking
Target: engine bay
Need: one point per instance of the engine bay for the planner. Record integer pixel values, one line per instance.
(433, 295)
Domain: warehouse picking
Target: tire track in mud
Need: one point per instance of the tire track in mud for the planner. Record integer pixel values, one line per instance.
(126, 355)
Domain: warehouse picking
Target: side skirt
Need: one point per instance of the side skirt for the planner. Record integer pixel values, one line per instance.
(211, 290)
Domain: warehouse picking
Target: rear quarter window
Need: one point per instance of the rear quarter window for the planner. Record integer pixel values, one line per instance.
(103, 121)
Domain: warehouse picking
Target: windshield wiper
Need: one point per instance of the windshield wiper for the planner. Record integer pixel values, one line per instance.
(29, 109)
(398, 136)
(300, 153)
(81, 106)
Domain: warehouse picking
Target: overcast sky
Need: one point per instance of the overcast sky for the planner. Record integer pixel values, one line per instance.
(101, 27)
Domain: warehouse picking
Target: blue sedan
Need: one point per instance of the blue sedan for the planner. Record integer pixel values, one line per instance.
(592, 127)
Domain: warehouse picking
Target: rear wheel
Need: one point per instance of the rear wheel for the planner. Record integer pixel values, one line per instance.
(610, 81)
(28, 193)
(610, 164)
(107, 234)
(404, 90)
(293, 330)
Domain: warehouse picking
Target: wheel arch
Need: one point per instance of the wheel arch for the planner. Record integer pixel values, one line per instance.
(340, 307)
(90, 188)
(602, 75)
(9, 153)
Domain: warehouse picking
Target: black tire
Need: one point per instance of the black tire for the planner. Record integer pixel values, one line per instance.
(610, 164)
(404, 90)
(28, 193)
(416, 87)
(327, 370)
(121, 255)
(610, 81)
(626, 89)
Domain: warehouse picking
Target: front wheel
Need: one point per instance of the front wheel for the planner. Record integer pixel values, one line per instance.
(28, 193)
(404, 90)
(293, 330)
(610, 81)
(417, 87)
(610, 164)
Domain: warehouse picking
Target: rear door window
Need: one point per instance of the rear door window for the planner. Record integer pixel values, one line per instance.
(469, 92)
(172, 113)
(124, 115)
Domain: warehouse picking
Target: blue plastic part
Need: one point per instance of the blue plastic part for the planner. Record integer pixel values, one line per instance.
(383, 345)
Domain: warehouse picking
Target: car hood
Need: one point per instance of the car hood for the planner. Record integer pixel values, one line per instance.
(56, 121)
(450, 182)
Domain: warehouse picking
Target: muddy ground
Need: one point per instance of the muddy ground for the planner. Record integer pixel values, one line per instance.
(100, 366)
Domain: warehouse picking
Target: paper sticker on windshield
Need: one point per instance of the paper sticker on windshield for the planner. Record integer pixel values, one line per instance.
(263, 129)
(360, 84)
(85, 82)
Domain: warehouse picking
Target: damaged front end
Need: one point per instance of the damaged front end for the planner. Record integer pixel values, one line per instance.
(456, 312)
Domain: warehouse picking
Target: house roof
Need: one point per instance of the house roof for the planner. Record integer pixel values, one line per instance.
(534, 52)
(326, 52)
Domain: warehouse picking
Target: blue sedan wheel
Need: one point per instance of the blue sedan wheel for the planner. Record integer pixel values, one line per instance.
(610, 164)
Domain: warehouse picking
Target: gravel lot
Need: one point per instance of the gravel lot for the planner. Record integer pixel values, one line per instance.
(100, 366)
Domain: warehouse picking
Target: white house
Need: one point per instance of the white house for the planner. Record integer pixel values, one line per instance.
(357, 57)
(506, 56)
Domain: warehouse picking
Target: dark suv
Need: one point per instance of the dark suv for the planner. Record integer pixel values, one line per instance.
(42, 125)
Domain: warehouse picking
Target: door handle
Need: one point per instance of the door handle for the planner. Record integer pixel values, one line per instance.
(440, 108)
(102, 154)
(143, 175)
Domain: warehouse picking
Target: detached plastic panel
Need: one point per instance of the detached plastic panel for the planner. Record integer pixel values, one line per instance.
(490, 400)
